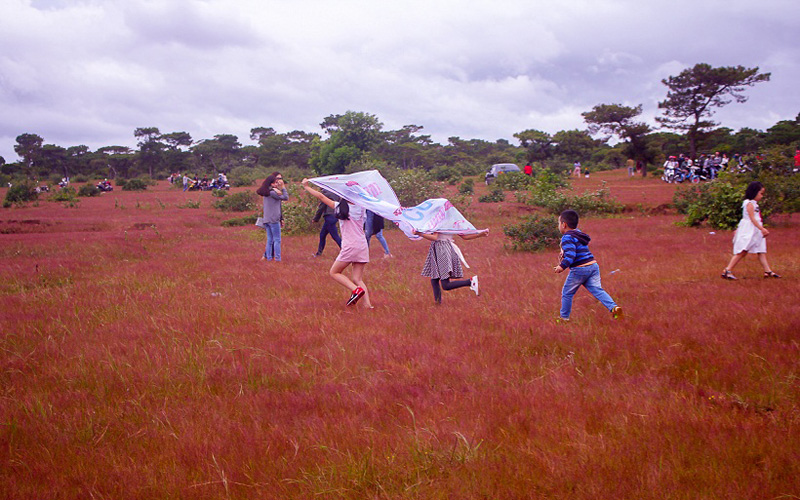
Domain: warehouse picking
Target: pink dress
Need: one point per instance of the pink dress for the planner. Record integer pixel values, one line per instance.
(354, 241)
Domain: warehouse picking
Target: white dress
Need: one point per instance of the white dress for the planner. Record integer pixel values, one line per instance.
(748, 237)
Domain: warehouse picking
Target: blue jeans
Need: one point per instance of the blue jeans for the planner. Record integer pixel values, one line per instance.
(589, 277)
(273, 249)
(329, 227)
(378, 235)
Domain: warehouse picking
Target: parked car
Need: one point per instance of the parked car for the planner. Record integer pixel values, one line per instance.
(499, 168)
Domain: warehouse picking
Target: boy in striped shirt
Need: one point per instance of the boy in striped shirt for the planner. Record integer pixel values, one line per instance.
(583, 269)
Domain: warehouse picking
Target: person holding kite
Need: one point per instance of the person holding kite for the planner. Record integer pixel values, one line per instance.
(354, 251)
(444, 262)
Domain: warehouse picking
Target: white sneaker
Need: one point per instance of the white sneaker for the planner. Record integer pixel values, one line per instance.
(473, 285)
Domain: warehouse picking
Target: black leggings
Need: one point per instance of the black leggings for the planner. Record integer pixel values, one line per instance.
(447, 285)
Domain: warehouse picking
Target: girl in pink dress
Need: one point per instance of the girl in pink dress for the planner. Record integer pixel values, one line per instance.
(354, 249)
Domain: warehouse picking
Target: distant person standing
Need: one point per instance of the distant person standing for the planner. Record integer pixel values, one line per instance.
(329, 223)
(185, 182)
(576, 169)
(373, 225)
(273, 192)
(631, 166)
(528, 169)
(797, 160)
(751, 234)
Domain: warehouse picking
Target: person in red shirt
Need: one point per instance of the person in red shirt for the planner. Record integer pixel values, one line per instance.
(797, 159)
(529, 169)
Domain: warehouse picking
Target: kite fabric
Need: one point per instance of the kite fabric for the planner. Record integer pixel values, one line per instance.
(370, 190)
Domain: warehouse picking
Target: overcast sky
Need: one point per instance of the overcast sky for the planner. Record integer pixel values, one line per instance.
(91, 71)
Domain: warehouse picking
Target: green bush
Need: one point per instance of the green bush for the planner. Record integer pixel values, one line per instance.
(79, 178)
(219, 193)
(64, 194)
(495, 195)
(467, 187)
(446, 173)
(247, 220)
(299, 211)
(238, 202)
(718, 202)
(534, 233)
(415, 186)
(19, 194)
(514, 181)
(137, 184)
(88, 190)
(543, 194)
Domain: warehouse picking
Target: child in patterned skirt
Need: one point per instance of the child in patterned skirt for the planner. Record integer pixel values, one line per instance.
(444, 262)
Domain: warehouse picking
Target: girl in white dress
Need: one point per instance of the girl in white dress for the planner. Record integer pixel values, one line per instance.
(751, 233)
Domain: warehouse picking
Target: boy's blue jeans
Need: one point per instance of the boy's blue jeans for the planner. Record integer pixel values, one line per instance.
(589, 277)
(273, 249)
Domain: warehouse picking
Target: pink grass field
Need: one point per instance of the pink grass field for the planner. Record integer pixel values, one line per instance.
(147, 352)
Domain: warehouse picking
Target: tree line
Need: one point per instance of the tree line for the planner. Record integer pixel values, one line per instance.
(358, 138)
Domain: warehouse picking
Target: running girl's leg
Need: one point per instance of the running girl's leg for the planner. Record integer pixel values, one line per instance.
(336, 273)
(437, 291)
(358, 278)
(452, 285)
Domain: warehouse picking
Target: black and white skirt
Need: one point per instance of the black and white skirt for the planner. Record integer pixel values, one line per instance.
(442, 261)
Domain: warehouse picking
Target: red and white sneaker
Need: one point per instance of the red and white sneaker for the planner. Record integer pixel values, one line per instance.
(473, 285)
(355, 296)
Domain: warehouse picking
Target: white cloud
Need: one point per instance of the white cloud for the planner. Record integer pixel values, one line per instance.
(90, 72)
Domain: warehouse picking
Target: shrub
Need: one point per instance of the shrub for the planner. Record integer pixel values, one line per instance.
(79, 178)
(238, 202)
(591, 202)
(495, 195)
(190, 204)
(137, 184)
(65, 194)
(415, 186)
(718, 202)
(299, 211)
(446, 173)
(219, 193)
(467, 187)
(247, 220)
(88, 190)
(19, 194)
(514, 181)
(534, 233)
(245, 176)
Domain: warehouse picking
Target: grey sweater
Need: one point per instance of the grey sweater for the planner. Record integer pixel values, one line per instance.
(272, 206)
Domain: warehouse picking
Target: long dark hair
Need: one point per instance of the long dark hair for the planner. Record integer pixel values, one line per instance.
(752, 190)
(267, 184)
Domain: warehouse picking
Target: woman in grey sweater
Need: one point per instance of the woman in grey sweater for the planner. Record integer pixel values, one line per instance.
(273, 193)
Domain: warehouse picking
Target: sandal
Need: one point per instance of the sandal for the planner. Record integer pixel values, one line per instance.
(770, 274)
(727, 275)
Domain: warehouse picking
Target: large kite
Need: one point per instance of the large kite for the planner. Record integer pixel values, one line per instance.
(370, 190)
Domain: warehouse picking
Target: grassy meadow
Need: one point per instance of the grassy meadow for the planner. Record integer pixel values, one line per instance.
(147, 352)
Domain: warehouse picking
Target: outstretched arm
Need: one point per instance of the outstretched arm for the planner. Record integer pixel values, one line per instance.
(472, 236)
(429, 237)
(316, 194)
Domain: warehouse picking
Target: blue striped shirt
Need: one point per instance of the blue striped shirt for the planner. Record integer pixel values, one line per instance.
(575, 249)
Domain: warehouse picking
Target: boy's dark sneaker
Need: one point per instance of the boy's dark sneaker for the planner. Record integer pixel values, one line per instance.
(355, 296)
(617, 312)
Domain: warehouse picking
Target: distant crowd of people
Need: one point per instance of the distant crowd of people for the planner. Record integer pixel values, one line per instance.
(204, 184)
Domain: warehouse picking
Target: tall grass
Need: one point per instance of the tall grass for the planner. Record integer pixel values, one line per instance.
(177, 364)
